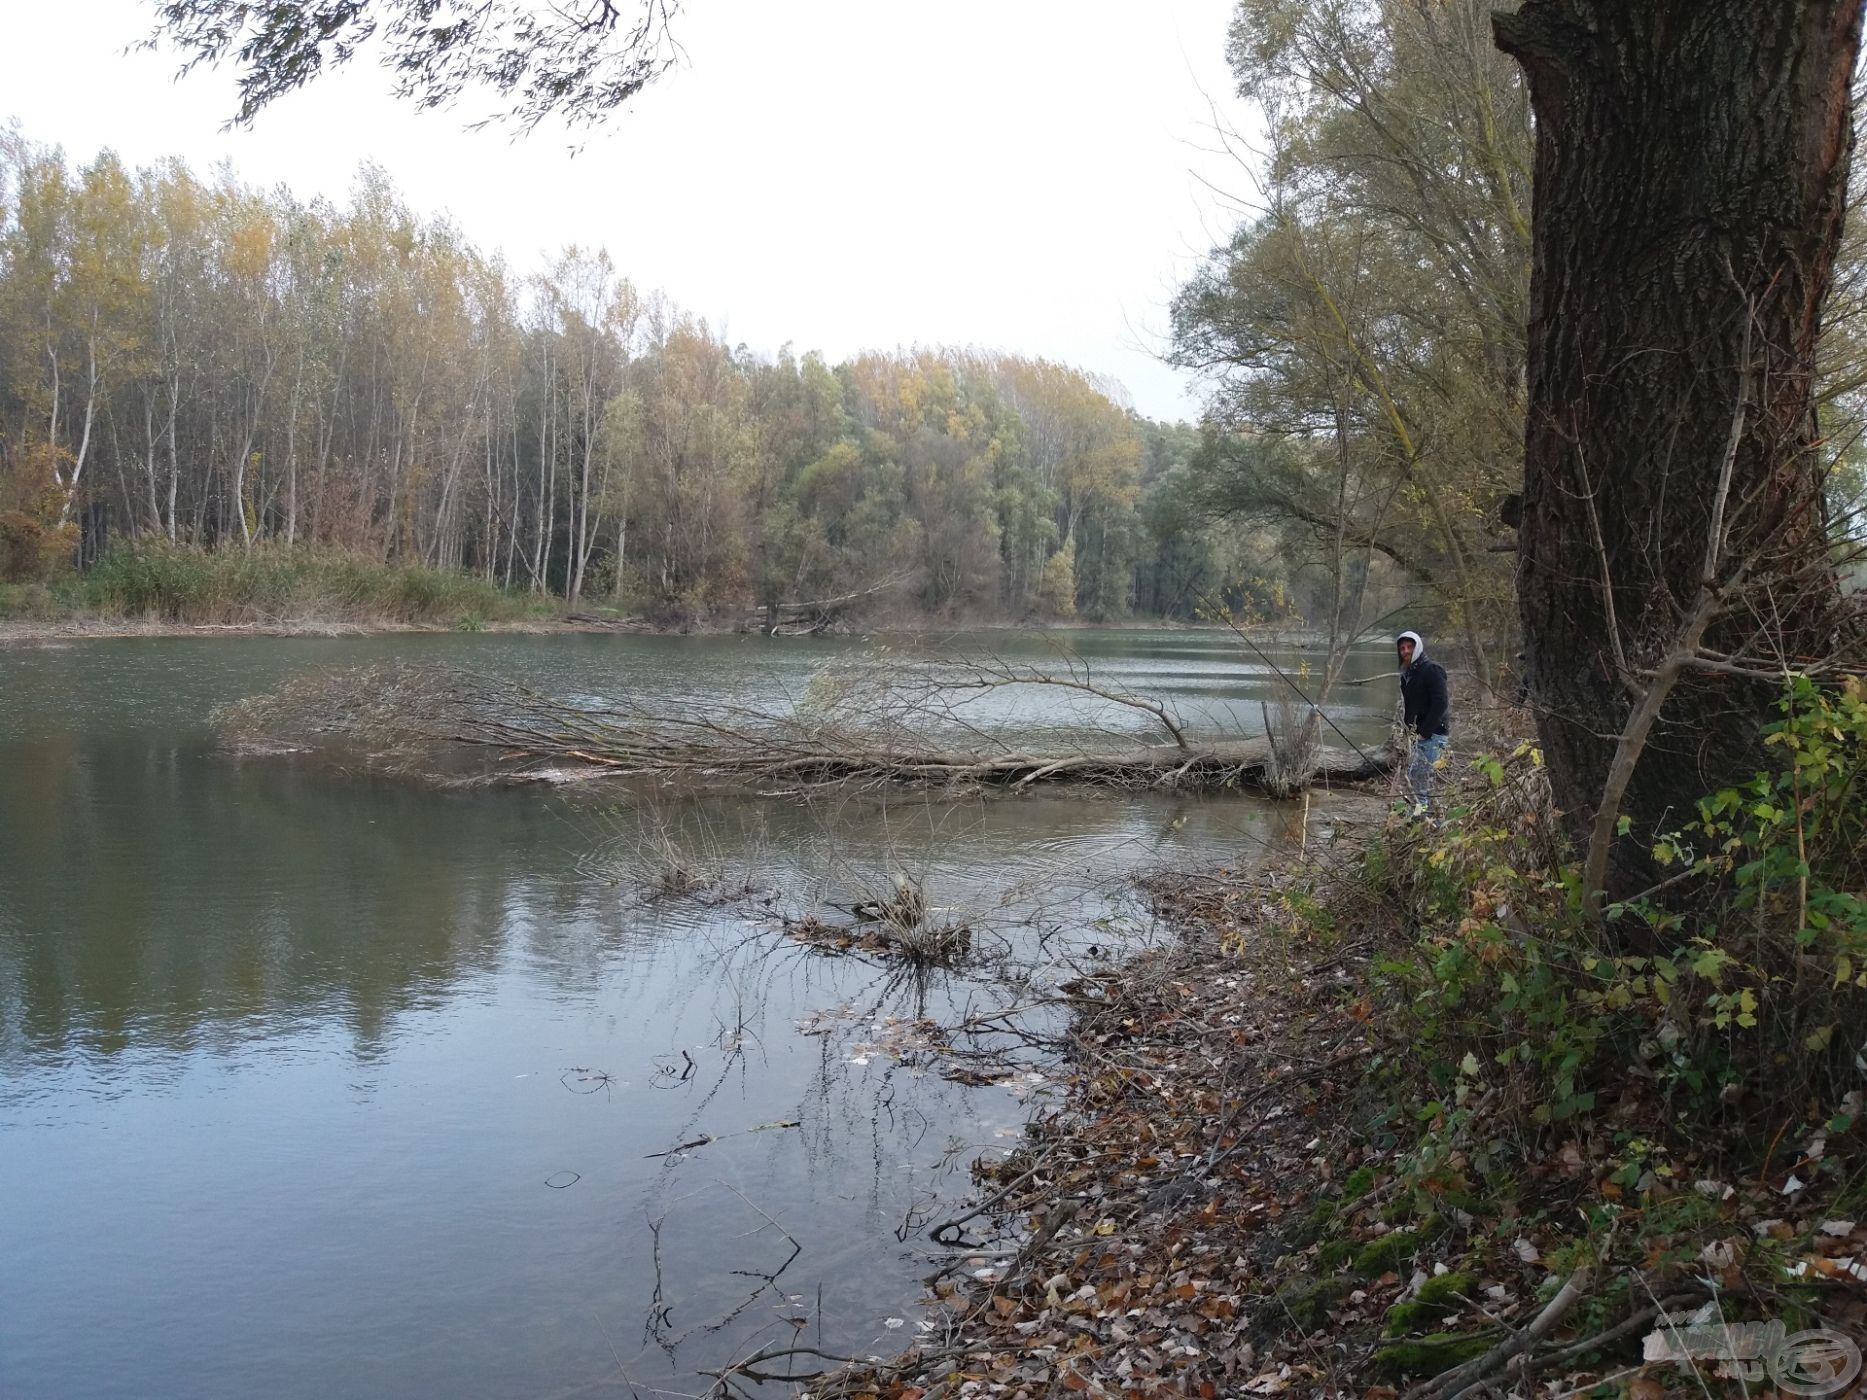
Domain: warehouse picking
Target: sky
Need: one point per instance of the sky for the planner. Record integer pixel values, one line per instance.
(1036, 176)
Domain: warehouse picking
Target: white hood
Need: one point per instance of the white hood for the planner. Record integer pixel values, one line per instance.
(1419, 644)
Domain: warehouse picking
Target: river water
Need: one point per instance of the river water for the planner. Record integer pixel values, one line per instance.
(321, 1084)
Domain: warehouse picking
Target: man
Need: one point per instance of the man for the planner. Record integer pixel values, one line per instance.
(1428, 714)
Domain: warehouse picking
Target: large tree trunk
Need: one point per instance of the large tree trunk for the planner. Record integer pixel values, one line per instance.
(1691, 167)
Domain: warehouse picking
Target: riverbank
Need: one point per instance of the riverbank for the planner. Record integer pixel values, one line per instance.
(151, 588)
(1261, 1182)
(50, 622)
(77, 626)
(30, 631)
(159, 589)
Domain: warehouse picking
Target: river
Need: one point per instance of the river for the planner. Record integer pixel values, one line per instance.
(316, 1083)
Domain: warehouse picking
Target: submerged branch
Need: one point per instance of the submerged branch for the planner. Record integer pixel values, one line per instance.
(407, 718)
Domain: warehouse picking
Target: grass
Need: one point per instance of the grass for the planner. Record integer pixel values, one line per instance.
(269, 584)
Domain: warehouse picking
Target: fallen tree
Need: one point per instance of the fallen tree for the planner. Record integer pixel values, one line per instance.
(779, 619)
(418, 719)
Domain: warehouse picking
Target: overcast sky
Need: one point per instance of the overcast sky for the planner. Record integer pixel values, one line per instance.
(841, 174)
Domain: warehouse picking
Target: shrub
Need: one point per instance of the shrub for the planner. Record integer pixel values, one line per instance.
(170, 582)
(1765, 971)
(28, 600)
(1742, 981)
(183, 583)
(1598, 1082)
(32, 551)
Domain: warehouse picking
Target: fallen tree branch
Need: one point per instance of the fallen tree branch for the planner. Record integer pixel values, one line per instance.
(708, 1139)
(936, 1234)
(749, 1368)
(406, 718)
(1627, 1327)
(1462, 1380)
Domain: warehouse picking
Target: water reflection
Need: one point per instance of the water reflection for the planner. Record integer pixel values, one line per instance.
(171, 890)
(315, 1084)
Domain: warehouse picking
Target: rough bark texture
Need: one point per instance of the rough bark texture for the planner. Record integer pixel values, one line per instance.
(1691, 167)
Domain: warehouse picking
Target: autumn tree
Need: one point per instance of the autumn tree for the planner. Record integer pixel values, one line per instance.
(1367, 318)
(1084, 450)
(213, 365)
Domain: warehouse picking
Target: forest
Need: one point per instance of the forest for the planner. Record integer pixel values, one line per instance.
(194, 362)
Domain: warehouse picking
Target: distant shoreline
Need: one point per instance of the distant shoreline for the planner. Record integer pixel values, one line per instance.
(34, 631)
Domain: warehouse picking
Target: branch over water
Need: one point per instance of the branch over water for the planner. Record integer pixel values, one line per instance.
(893, 723)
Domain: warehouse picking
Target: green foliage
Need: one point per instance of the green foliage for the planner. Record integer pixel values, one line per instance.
(1480, 983)
(1800, 830)
(26, 600)
(1396, 1247)
(1334, 1255)
(1305, 1299)
(1313, 1225)
(1744, 979)
(1357, 1184)
(1779, 977)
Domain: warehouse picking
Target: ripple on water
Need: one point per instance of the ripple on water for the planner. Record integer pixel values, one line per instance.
(289, 1058)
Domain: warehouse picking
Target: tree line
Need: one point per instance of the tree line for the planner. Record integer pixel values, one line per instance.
(195, 361)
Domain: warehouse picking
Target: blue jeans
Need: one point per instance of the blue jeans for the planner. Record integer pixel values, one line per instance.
(1426, 752)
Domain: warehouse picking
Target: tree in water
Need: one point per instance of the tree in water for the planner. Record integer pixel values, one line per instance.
(1691, 176)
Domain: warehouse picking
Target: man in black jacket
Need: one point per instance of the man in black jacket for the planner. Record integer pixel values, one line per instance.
(1428, 712)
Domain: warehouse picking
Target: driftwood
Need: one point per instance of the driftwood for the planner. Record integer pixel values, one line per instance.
(404, 717)
(818, 615)
(610, 624)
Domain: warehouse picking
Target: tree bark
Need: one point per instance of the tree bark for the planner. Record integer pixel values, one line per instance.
(1691, 172)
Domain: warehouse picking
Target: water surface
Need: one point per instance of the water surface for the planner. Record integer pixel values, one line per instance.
(316, 1084)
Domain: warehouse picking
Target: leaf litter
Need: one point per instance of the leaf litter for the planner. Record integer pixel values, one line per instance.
(1203, 1211)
